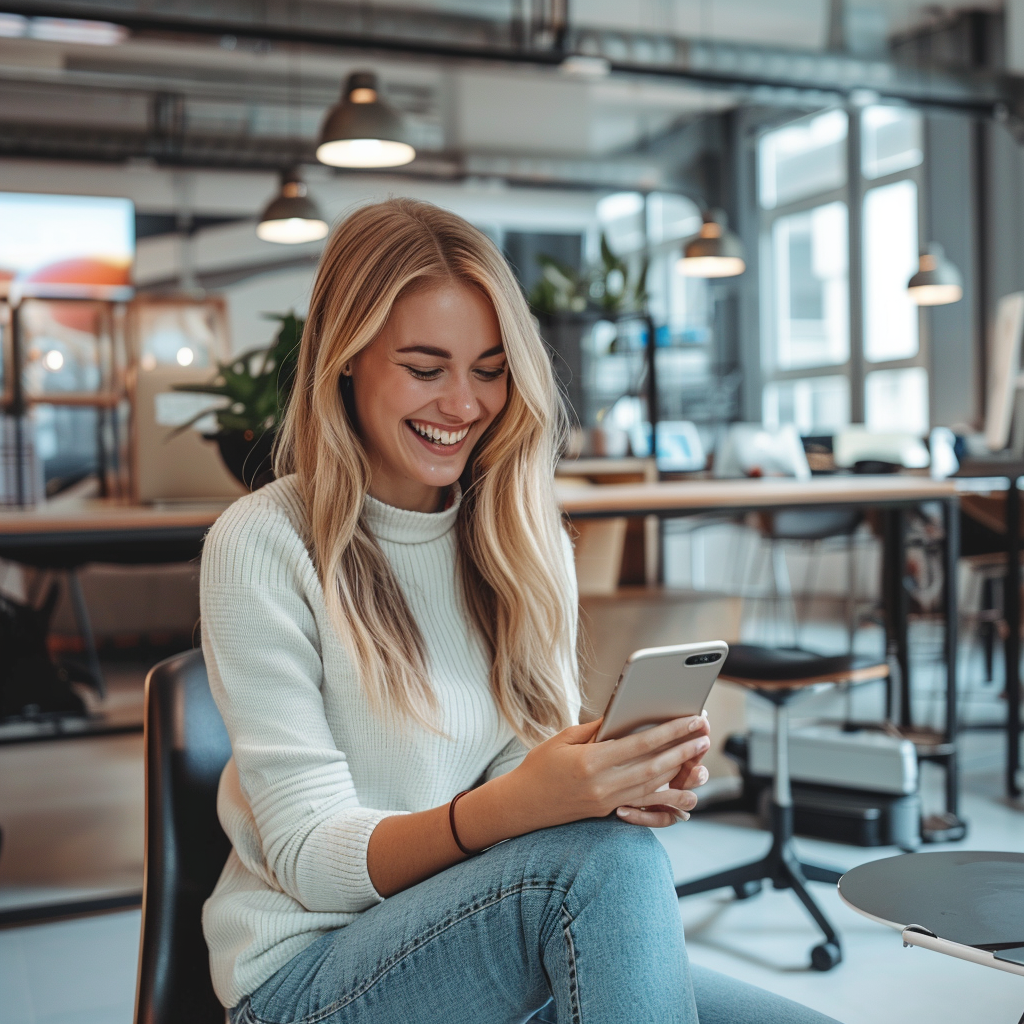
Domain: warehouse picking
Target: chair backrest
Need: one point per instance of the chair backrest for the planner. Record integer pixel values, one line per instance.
(187, 746)
(813, 523)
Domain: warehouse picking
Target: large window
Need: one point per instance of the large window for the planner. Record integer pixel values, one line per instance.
(823, 367)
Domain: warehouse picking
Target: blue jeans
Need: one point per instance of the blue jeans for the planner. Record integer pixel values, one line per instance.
(576, 925)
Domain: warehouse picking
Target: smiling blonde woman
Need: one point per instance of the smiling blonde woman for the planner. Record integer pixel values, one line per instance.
(420, 831)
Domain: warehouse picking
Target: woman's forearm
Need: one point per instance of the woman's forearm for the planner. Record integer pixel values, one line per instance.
(565, 778)
(407, 848)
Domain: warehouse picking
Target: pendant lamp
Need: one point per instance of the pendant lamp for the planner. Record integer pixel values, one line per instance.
(714, 251)
(291, 216)
(937, 281)
(362, 130)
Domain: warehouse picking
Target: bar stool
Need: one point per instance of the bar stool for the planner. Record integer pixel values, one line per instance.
(779, 674)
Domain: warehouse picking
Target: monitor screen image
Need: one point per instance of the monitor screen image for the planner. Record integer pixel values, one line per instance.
(74, 247)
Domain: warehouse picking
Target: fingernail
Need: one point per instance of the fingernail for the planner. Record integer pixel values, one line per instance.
(702, 774)
(695, 724)
(703, 744)
(684, 815)
(622, 812)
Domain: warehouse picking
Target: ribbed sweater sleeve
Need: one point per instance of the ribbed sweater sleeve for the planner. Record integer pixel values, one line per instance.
(262, 651)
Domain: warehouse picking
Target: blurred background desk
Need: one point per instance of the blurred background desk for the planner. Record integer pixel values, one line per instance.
(73, 531)
(67, 533)
(893, 495)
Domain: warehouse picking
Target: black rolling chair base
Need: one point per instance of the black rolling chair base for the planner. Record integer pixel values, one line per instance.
(781, 867)
(943, 828)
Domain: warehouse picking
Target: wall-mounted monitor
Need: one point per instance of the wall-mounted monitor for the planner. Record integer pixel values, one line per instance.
(71, 247)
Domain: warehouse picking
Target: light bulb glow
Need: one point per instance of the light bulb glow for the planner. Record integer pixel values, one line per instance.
(579, 65)
(935, 294)
(53, 360)
(365, 153)
(185, 356)
(711, 266)
(291, 231)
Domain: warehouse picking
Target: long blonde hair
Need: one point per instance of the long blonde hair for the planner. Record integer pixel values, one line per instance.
(514, 575)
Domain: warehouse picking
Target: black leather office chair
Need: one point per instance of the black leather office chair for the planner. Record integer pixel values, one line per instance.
(187, 746)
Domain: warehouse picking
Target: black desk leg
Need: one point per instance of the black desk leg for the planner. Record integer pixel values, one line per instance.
(897, 645)
(948, 826)
(951, 553)
(1011, 601)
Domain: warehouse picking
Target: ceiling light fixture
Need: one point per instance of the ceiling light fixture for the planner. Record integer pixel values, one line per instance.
(362, 130)
(937, 281)
(291, 216)
(714, 251)
(62, 30)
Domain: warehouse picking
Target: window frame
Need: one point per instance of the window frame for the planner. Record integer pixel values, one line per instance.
(852, 194)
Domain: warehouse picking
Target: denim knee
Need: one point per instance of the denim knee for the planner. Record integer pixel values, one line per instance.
(600, 851)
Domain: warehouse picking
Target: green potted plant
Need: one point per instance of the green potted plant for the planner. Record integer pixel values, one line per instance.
(254, 387)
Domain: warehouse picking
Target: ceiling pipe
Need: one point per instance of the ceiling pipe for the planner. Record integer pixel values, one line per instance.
(779, 76)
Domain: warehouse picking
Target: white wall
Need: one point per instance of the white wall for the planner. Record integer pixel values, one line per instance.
(281, 291)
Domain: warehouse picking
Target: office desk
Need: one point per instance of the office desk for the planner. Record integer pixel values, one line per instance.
(75, 531)
(70, 532)
(891, 494)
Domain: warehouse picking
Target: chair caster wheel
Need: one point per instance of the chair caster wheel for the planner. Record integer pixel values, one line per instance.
(747, 889)
(826, 956)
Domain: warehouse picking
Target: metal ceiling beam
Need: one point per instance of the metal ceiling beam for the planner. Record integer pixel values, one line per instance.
(765, 75)
(168, 145)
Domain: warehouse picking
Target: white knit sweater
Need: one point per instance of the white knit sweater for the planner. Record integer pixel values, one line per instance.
(314, 769)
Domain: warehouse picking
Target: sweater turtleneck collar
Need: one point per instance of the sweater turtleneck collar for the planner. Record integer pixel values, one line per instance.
(400, 525)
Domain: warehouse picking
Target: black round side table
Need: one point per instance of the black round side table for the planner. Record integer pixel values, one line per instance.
(964, 903)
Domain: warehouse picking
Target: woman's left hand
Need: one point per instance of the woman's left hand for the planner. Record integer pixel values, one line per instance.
(691, 775)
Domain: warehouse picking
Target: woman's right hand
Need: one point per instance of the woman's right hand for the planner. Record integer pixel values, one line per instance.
(568, 777)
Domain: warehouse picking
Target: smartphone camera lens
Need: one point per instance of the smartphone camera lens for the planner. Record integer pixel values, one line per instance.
(703, 659)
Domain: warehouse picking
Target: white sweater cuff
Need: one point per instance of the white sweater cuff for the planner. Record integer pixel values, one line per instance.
(340, 856)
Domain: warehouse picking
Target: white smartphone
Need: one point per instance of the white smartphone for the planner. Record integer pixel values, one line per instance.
(658, 684)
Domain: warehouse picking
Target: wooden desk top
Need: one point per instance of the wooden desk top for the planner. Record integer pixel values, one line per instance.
(95, 515)
(767, 492)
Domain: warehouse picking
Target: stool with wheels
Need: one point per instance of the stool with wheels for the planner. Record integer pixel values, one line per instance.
(779, 675)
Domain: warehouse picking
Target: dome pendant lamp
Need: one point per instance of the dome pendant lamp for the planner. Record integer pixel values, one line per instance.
(937, 281)
(291, 216)
(714, 251)
(362, 130)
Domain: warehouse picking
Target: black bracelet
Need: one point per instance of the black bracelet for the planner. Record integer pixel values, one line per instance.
(451, 822)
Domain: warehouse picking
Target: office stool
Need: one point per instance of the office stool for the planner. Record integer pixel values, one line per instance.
(779, 675)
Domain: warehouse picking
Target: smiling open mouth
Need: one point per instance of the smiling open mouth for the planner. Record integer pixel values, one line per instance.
(442, 438)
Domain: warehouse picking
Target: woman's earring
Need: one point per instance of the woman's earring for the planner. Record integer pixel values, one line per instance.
(347, 369)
